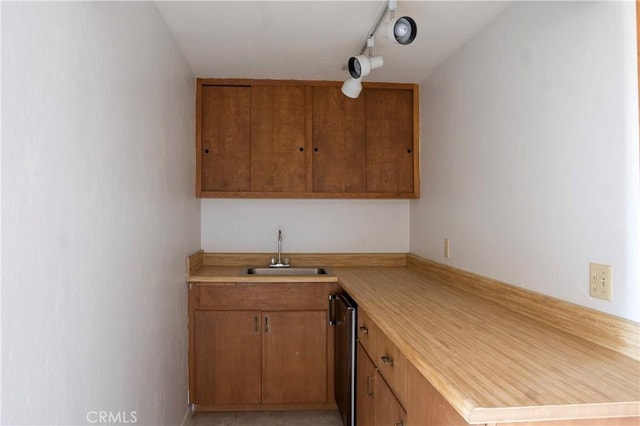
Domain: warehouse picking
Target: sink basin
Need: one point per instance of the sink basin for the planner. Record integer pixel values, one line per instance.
(284, 271)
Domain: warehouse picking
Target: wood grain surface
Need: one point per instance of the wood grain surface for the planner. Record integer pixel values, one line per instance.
(194, 263)
(224, 138)
(615, 333)
(291, 143)
(489, 362)
(307, 259)
(339, 145)
(496, 353)
(229, 276)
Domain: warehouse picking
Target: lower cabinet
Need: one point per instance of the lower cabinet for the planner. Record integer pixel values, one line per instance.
(389, 412)
(227, 357)
(247, 357)
(392, 365)
(365, 389)
(376, 404)
(279, 357)
(294, 357)
(425, 406)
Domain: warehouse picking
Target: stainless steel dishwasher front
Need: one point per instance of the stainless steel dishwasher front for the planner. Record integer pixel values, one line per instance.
(343, 316)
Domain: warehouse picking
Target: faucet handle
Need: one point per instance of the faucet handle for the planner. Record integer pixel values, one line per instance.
(273, 260)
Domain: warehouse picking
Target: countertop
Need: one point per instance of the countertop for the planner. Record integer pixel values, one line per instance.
(489, 362)
(229, 275)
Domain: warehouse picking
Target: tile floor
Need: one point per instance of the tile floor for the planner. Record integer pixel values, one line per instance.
(267, 418)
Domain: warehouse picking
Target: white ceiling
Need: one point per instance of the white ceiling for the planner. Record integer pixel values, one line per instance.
(312, 40)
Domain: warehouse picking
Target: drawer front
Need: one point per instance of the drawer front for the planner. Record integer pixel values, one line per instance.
(262, 296)
(367, 334)
(388, 410)
(392, 364)
(365, 389)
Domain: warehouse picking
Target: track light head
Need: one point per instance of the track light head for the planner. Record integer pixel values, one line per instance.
(352, 87)
(361, 65)
(402, 30)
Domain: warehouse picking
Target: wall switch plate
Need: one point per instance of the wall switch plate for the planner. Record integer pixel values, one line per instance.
(446, 248)
(600, 281)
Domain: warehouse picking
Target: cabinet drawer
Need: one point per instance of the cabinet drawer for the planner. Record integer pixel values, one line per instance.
(365, 389)
(392, 364)
(388, 410)
(262, 296)
(367, 334)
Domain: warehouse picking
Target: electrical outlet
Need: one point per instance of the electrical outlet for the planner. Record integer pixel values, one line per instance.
(600, 281)
(446, 248)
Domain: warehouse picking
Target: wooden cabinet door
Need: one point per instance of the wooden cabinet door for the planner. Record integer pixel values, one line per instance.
(224, 139)
(297, 139)
(389, 412)
(294, 359)
(278, 138)
(365, 389)
(339, 161)
(227, 357)
(389, 134)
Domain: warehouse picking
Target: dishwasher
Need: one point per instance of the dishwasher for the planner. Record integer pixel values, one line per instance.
(343, 317)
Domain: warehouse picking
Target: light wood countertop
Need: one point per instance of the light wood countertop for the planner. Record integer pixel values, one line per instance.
(229, 275)
(491, 363)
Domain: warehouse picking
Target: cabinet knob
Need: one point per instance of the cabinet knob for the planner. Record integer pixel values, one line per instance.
(301, 149)
(408, 151)
(363, 329)
(387, 360)
(316, 149)
(206, 151)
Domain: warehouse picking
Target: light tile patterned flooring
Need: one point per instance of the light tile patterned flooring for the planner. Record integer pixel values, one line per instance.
(267, 418)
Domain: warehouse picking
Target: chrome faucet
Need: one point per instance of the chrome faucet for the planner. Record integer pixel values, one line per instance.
(279, 263)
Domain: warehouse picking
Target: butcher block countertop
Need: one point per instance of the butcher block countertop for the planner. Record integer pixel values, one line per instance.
(494, 358)
(229, 275)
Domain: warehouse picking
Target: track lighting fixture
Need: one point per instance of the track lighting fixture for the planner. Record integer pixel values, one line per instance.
(352, 87)
(401, 31)
(361, 65)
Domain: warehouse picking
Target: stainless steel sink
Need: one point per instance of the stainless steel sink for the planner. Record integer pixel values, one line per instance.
(284, 271)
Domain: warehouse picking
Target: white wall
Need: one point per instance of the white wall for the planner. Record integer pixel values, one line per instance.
(530, 153)
(98, 213)
(308, 226)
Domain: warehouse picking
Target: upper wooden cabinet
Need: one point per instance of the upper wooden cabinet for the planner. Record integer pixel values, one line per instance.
(338, 124)
(305, 139)
(224, 138)
(278, 162)
(390, 144)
